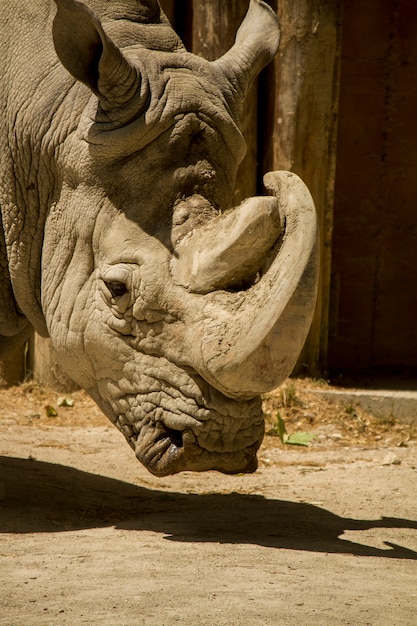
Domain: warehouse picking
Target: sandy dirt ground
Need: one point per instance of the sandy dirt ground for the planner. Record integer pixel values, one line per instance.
(323, 534)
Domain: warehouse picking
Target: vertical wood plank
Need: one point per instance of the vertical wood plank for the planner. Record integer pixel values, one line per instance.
(215, 23)
(301, 131)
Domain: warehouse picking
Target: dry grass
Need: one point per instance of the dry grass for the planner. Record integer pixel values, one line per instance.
(332, 423)
(31, 403)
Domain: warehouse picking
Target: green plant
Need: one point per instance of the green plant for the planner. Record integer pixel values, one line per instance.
(299, 438)
(350, 409)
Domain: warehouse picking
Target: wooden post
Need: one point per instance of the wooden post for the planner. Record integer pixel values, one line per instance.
(13, 366)
(45, 367)
(300, 132)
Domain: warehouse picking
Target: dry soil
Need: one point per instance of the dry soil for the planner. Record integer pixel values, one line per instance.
(323, 534)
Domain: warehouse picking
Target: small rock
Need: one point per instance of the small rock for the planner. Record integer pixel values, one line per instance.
(309, 416)
(391, 459)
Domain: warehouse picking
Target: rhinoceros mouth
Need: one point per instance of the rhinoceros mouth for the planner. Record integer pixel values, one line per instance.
(166, 451)
(195, 429)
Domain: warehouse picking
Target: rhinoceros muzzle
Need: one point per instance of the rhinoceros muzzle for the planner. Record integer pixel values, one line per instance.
(176, 451)
(166, 451)
(179, 422)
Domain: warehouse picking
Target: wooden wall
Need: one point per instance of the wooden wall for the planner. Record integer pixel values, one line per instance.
(374, 287)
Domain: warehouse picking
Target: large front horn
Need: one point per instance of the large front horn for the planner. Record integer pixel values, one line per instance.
(90, 55)
(255, 46)
(246, 342)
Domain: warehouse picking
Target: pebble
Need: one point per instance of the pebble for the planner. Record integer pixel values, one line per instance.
(391, 459)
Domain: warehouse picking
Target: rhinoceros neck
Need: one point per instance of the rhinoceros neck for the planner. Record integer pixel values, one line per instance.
(35, 121)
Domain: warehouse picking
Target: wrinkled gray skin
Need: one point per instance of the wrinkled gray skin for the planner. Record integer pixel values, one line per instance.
(117, 172)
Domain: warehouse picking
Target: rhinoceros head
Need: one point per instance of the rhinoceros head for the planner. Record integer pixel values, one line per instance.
(173, 309)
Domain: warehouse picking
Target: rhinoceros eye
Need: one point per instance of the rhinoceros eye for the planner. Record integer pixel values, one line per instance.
(116, 288)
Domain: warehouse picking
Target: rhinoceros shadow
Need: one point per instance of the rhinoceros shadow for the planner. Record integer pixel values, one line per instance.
(44, 497)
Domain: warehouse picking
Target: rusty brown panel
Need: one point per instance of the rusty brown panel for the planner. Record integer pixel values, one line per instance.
(375, 233)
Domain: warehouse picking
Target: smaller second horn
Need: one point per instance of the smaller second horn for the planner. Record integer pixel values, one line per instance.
(228, 252)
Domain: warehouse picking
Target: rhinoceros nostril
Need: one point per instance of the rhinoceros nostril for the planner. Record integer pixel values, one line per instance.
(175, 436)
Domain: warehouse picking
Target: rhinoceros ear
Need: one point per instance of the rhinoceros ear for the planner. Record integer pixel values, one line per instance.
(255, 46)
(93, 58)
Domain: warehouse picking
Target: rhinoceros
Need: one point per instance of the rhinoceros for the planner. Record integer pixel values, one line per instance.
(173, 309)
